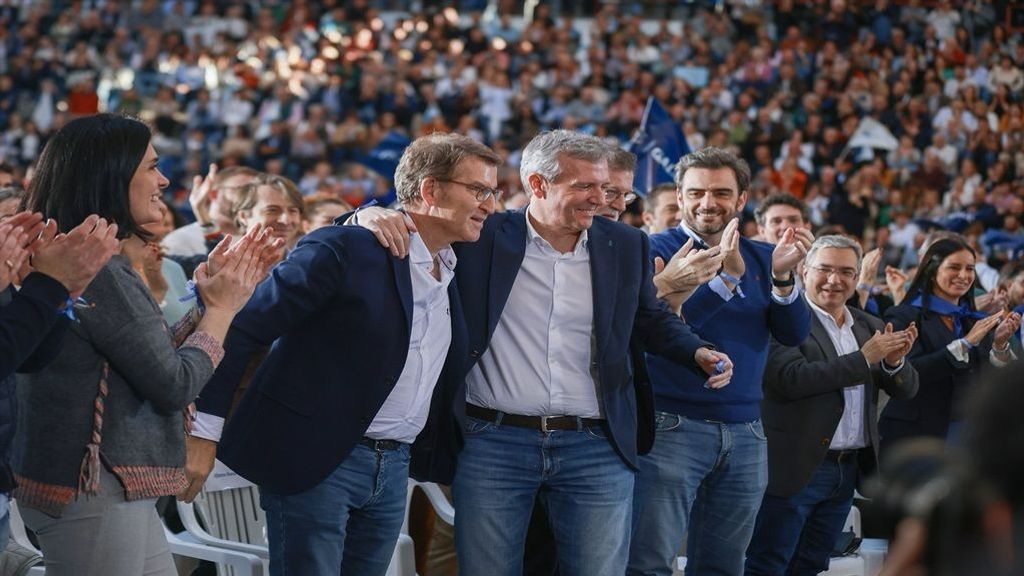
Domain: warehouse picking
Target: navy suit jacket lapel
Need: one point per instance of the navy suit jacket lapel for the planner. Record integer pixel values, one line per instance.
(507, 256)
(604, 271)
(403, 281)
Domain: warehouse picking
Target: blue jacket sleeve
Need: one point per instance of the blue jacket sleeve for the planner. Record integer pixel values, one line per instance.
(295, 289)
(660, 331)
(31, 327)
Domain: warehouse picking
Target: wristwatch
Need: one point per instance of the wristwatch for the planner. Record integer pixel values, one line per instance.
(790, 281)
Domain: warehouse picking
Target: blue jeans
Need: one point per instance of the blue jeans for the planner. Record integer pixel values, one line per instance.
(708, 476)
(795, 535)
(5, 521)
(582, 481)
(348, 524)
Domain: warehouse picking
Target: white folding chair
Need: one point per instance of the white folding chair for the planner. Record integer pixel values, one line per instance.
(20, 537)
(236, 523)
(241, 563)
(227, 516)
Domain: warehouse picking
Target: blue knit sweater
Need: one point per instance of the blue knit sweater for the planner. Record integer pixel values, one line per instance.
(741, 327)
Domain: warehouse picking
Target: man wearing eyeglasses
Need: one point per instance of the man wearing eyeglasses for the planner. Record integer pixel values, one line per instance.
(364, 384)
(820, 415)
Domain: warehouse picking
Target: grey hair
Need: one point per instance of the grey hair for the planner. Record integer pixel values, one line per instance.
(833, 241)
(620, 160)
(714, 158)
(543, 155)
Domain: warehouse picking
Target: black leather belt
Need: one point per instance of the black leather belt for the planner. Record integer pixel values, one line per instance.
(542, 423)
(840, 455)
(380, 445)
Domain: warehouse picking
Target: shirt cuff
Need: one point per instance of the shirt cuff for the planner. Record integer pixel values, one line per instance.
(897, 368)
(208, 426)
(997, 362)
(718, 286)
(786, 300)
(960, 350)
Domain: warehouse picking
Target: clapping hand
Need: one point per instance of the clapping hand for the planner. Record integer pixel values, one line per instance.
(74, 259)
(894, 358)
(790, 250)
(889, 344)
(732, 259)
(200, 198)
(983, 327)
(13, 251)
(229, 276)
(869, 267)
(1009, 326)
(687, 269)
(896, 280)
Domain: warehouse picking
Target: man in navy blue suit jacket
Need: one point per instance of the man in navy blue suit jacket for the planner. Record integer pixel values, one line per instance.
(551, 408)
(347, 393)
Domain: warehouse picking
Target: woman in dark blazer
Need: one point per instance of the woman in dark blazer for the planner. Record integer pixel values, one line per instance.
(955, 342)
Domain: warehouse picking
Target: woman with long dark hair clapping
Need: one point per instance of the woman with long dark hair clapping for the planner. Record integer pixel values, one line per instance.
(101, 430)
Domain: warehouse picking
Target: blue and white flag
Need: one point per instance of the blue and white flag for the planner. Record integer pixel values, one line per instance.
(383, 160)
(658, 145)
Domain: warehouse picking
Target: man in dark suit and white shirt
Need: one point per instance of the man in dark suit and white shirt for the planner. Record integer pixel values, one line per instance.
(363, 384)
(820, 415)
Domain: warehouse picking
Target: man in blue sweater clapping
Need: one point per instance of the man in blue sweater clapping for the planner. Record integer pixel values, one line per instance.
(708, 469)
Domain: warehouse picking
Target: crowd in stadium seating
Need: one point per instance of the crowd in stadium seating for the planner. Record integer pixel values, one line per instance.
(305, 89)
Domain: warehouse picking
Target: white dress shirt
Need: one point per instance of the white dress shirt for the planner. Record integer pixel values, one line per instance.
(850, 433)
(539, 358)
(404, 413)
(189, 240)
(405, 410)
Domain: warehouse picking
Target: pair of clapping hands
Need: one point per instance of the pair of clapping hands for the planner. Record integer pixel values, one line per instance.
(689, 268)
(28, 244)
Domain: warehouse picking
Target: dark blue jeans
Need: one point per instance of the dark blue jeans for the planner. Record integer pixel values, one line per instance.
(795, 536)
(348, 524)
(584, 484)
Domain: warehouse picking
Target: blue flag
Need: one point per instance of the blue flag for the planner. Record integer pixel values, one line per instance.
(383, 159)
(658, 145)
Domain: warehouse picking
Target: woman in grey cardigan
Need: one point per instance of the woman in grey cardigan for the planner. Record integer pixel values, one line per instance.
(101, 429)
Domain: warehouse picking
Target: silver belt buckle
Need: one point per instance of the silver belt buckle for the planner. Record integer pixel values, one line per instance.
(544, 424)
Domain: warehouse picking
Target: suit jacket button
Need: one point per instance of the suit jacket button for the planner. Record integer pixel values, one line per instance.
(826, 441)
(474, 354)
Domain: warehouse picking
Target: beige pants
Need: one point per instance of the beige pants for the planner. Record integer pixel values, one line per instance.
(103, 535)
